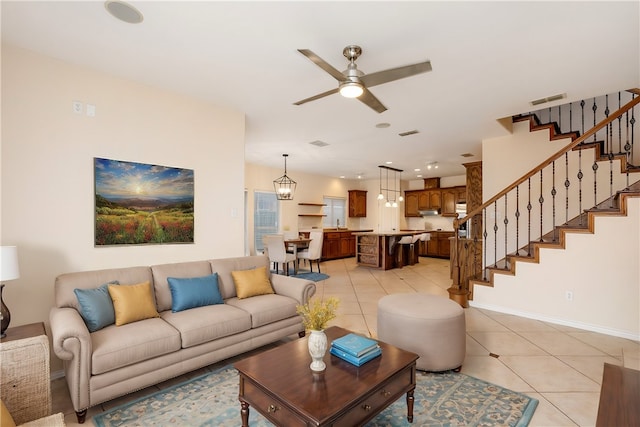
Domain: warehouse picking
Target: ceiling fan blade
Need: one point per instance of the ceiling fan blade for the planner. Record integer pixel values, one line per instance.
(322, 64)
(371, 101)
(380, 77)
(321, 95)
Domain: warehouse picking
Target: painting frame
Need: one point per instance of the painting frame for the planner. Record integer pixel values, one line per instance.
(142, 204)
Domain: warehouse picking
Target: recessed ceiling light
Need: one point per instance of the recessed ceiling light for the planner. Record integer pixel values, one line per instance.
(418, 176)
(388, 163)
(342, 176)
(416, 170)
(382, 125)
(123, 11)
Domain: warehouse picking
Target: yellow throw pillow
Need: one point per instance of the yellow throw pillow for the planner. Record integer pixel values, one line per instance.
(132, 302)
(6, 420)
(250, 283)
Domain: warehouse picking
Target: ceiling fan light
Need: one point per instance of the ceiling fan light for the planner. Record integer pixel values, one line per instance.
(351, 89)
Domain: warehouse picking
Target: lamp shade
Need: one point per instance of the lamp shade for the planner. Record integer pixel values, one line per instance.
(10, 269)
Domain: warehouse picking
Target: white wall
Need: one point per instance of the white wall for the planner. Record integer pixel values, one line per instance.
(47, 171)
(601, 269)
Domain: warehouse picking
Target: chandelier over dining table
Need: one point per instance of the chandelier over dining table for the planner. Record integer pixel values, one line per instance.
(284, 186)
(391, 195)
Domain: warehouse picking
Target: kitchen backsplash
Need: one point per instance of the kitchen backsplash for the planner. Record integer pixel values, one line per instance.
(430, 223)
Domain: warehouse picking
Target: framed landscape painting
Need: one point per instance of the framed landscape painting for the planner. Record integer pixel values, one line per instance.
(137, 203)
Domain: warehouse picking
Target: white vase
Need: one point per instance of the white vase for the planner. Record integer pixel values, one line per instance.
(317, 348)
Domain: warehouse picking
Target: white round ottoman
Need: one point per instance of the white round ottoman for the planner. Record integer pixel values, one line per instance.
(429, 325)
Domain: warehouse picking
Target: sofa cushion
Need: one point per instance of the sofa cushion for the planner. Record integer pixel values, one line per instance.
(132, 302)
(250, 283)
(66, 283)
(181, 269)
(96, 306)
(194, 292)
(208, 323)
(6, 420)
(225, 266)
(118, 346)
(265, 309)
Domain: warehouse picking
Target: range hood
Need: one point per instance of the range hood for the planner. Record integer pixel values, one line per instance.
(429, 212)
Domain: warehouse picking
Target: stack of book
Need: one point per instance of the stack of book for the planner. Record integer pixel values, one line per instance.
(355, 349)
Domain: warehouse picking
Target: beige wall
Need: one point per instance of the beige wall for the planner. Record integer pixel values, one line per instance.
(47, 171)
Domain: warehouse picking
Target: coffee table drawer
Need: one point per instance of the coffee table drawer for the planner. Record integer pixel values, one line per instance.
(375, 402)
(270, 407)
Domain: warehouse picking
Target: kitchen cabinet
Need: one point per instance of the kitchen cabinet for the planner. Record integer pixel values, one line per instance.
(449, 200)
(357, 203)
(430, 199)
(444, 244)
(411, 203)
(438, 245)
(338, 244)
(461, 194)
(347, 245)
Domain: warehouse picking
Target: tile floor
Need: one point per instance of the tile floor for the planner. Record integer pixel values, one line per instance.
(560, 366)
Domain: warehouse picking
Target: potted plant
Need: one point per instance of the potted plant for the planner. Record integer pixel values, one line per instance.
(315, 317)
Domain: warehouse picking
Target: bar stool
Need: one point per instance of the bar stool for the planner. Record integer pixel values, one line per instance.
(406, 250)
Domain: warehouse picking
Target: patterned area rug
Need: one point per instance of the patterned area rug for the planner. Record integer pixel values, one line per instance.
(444, 399)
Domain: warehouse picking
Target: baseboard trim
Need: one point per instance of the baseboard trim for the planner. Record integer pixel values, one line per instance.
(563, 322)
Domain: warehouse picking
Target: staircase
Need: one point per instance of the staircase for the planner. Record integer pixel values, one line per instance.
(592, 176)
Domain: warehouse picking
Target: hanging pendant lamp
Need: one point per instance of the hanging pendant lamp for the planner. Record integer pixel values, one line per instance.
(284, 186)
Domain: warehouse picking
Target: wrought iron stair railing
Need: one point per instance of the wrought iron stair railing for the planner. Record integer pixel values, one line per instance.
(555, 196)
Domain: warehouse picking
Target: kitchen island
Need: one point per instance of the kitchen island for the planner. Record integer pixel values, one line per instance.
(378, 250)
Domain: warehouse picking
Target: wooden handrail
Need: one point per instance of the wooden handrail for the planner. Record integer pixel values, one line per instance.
(551, 159)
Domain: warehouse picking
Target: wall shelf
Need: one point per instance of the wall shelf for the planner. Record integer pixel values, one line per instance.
(310, 215)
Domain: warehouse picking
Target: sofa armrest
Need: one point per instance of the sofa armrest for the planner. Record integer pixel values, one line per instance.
(299, 289)
(72, 343)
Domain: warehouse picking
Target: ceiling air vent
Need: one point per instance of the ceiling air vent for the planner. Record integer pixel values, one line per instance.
(319, 143)
(467, 155)
(411, 132)
(549, 99)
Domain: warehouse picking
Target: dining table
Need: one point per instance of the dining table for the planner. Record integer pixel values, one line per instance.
(293, 244)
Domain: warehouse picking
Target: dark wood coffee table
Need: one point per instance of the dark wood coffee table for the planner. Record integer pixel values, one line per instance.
(279, 384)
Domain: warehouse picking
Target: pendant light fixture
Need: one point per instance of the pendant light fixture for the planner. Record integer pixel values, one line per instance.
(284, 186)
(393, 200)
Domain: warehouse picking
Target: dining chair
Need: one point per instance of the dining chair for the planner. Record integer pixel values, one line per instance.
(278, 253)
(314, 251)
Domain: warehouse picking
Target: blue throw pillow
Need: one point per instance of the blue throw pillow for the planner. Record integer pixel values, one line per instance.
(96, 306)
(194, 292)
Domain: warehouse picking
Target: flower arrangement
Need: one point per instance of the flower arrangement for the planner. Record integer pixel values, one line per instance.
(315, 315)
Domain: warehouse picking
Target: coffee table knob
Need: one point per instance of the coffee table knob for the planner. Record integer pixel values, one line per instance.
(272, 408)
(386, 393)
(366, 407)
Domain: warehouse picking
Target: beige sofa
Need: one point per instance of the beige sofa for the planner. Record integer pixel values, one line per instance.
(117, 360)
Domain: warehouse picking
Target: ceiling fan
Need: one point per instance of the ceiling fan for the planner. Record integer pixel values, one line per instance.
(353, 83)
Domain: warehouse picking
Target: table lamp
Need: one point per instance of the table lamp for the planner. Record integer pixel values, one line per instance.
(10, 271)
